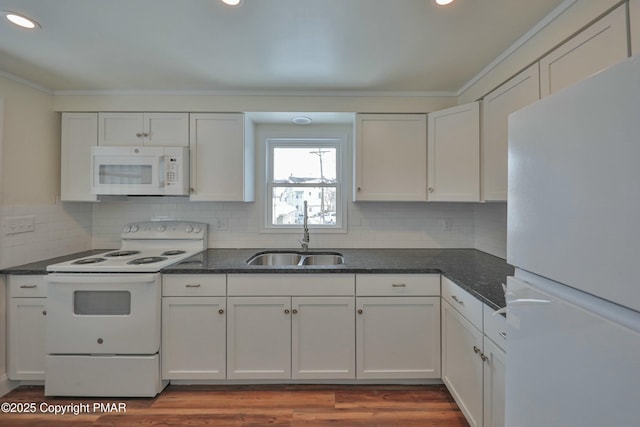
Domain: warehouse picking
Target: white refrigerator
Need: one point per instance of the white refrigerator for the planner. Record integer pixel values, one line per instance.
(573, 234)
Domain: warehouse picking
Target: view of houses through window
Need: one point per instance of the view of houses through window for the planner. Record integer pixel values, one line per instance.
(299, 171)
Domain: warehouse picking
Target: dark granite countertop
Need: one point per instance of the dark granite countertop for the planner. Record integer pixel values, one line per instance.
(477, 272)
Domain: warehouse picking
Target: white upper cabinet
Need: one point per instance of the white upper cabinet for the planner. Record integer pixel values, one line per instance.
(454, 154)
(601, 45)
(520, 91)
(391, 157)
(634, 21)
(152, 129)
(79, 134)
(222, 158)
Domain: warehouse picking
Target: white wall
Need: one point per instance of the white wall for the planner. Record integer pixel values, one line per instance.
(490, 228)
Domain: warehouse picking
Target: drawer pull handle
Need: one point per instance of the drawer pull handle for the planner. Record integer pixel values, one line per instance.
(28, 286)
(455, 298)
(193, 285)
(503, 335)
(399, 285)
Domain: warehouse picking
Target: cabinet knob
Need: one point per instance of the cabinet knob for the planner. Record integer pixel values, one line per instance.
(44, 312)
(483, 357)
(360, 311)
(476, 350)
(139, 134)
(221, 311)
(430, 189)
(192, 190)
(286, 311)
(358, 189)
(100, 340)
(294, 311)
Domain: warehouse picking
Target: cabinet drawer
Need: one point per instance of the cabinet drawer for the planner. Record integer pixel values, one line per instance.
(495, 327)
(397, 284)
(463, 301)
(27, 286)
(181, 285)
(291, 284)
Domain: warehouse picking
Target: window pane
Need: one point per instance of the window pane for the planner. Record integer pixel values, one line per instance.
(304, 165)
(288, 205)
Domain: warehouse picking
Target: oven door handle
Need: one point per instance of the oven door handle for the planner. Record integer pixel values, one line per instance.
(101, 278)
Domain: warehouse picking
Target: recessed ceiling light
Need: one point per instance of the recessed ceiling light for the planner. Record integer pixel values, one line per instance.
(443, 2)
(232, 2)
(301, 120)
(21, 20)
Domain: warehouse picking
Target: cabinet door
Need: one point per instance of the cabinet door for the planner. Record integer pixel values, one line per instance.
(494, 384)
(79, 134)
(166, 129)
(520, 91)
(599, 46)
(258, 337)
(120, 129)
(454, 154)
(391, 157)
(221, 158)
(193, 338)
(398, 337)
(634, 22)
(26, 329)
(461, 363)
(323, 337)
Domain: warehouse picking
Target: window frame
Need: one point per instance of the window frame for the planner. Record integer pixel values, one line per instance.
(305, 142)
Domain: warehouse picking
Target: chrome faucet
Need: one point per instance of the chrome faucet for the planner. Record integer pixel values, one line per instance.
(305, 236)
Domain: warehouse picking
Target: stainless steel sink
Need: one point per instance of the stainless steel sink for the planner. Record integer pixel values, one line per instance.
(275, 258)
(296, 258)
(323, 259)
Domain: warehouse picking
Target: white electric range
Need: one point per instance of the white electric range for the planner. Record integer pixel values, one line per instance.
(147, 246)
(103, 323)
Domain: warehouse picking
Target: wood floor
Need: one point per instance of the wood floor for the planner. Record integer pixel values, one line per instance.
(255, 406)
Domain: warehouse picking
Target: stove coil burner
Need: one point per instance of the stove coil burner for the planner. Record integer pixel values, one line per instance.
(175, 252)
(88, 261)
(147, 260)
(122, 253)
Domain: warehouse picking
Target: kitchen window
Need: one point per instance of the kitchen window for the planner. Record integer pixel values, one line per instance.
(300, 170)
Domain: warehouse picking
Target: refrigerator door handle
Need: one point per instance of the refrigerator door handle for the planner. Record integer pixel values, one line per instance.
(527, 301)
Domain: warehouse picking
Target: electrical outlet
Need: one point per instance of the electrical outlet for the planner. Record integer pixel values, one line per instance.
(18, 224)
(220, 224)
(445, 224)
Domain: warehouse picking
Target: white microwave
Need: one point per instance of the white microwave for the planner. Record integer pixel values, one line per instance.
(140, 171)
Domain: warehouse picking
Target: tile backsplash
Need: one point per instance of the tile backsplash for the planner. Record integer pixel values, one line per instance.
(60, 229)
(66, 228)
(237, 225)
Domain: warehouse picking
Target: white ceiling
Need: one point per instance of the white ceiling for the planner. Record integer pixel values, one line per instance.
(264, 45)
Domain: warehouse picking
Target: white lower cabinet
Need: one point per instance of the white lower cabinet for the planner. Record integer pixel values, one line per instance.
(473, 356)
(26, 327)
(461, 366)
(193, 327)
(398, 326)
(292, 326)
(494, 384)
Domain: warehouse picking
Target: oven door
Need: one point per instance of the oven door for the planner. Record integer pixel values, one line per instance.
(103, 313)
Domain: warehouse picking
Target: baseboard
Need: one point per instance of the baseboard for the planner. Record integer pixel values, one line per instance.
(6, 385)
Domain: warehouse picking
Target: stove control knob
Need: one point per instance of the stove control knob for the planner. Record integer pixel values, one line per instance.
(127, 229)
(189, 229)
(162, 228)
(134, 228)
(197, 230)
